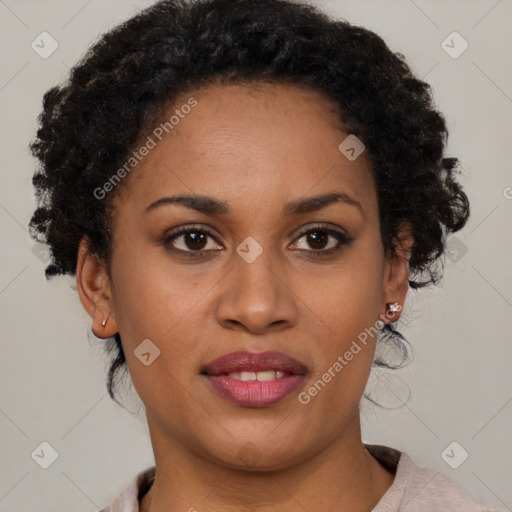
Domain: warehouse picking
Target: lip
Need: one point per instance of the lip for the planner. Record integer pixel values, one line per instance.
(255, 362)
(255, 393)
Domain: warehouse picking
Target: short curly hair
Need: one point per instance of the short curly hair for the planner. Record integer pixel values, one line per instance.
(92, 122)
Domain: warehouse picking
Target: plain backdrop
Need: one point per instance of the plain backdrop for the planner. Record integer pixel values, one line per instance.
(459, 384)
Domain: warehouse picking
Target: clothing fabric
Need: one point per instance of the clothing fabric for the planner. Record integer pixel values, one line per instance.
(414, 489)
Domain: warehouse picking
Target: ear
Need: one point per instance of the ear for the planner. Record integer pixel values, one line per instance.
(396, 274)
(93, 285)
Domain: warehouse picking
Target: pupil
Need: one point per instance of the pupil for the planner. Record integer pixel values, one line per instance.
(316, 237)
(197, 240)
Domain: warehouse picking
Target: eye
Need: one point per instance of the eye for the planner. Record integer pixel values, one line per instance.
(190, 239)
(323, 240)
(194, 241)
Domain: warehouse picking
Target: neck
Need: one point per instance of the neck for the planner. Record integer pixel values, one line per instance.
(343, 476)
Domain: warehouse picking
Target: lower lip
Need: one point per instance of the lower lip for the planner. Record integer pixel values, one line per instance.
(255, 393)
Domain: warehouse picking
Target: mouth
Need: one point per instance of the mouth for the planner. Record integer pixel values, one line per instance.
(261, 376)
(252, 379)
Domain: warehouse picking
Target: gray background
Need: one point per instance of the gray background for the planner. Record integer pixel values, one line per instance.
(52, 368)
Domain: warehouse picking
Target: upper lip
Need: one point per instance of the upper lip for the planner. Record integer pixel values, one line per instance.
(255, 362)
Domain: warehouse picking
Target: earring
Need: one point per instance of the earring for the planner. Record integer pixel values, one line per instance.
(393, 308)
(105, 321)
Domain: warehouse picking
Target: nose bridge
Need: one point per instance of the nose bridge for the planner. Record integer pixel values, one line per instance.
(256, 267)
(256, 295)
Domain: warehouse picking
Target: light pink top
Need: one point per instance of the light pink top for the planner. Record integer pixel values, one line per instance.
(414, 489)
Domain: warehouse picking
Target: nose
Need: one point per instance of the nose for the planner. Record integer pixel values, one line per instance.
(256, 297)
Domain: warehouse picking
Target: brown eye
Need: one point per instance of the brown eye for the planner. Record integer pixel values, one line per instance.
(195, 240)
(191, 240)
(317, 239)
(322, 240)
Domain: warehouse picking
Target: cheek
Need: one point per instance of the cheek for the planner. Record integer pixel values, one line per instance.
(346, 303)
(156, 307)
(152, 296)
(347, 295)
(165, 303)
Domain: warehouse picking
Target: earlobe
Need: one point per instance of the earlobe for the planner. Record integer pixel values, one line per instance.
(396, 277)
(392, 313)
(93, 285)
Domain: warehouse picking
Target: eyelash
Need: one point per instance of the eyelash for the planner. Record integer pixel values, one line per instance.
(343, 240)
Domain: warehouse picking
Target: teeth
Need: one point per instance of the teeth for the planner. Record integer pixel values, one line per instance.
(265, 376)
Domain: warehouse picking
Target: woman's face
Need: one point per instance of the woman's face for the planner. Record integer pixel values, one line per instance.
(246, 277)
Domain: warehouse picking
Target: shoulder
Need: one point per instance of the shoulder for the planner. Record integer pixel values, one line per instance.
(430, 490)
(419, 489)
(128, 500)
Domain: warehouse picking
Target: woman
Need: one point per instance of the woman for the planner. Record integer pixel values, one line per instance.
(245, 192)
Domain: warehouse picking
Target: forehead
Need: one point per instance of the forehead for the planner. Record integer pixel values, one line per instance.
(248, 143)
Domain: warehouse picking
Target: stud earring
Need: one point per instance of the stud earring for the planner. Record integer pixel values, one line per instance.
(105, 321)
(393, 308)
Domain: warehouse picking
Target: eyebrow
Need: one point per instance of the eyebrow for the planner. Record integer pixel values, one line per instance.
(212, 206)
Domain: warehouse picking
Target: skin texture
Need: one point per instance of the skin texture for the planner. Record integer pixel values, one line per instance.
(256, 147)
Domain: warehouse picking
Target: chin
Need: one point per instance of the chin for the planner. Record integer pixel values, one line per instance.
(253, 453)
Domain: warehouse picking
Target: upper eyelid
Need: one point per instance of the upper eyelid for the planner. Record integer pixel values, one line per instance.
(321, 225)
(180, 230)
